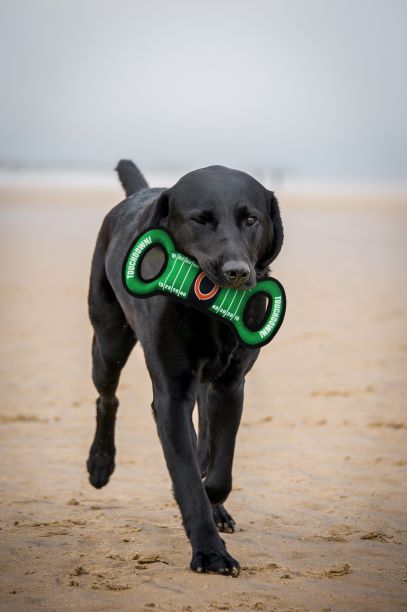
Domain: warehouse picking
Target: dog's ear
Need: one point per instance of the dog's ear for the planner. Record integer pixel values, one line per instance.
(274, 235)
(154, 213)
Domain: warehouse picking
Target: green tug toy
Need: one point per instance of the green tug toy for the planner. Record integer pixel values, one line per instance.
(180, 277)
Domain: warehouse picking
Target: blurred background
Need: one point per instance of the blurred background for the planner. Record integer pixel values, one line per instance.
(310, 97)
(310, 93)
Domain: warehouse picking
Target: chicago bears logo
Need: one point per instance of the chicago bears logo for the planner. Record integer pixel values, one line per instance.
(202, 292)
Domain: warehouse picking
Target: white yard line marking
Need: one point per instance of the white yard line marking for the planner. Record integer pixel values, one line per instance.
(224, 298)
(175, 279)
(188, 271)
(169, 273)
(238, 306)
(230, 305)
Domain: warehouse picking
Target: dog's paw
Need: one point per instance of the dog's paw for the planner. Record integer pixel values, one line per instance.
(223, 521)
(214, 558)
(100, 466)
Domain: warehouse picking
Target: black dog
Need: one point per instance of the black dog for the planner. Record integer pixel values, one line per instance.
(231, 225)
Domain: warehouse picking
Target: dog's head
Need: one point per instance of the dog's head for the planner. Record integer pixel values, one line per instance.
(223, 218)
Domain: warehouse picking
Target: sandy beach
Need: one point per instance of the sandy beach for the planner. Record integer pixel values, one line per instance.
(320, 493)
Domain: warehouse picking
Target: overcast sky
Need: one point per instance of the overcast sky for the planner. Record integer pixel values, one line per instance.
(315, 87)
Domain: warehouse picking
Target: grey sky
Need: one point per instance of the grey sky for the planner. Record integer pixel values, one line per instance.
(317, 87)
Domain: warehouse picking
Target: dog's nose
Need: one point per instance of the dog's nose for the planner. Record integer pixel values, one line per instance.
(236, 272)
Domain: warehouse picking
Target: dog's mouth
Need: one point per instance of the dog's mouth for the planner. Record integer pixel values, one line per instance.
(221, 281)
(228, 273)
(245, 286)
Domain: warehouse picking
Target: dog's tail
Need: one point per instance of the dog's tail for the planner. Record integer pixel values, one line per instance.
(130, 176)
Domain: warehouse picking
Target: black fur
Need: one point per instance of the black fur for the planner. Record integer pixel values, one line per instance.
(231, 224)
(130, 176)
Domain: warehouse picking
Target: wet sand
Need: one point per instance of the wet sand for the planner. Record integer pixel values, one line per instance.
(320, 489)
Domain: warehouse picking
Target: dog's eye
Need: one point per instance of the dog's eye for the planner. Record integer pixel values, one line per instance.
(203, 219)
(251, 220)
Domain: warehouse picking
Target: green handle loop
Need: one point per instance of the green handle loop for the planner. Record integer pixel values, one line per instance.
(140, 248)
(226, 307)
(182, 278)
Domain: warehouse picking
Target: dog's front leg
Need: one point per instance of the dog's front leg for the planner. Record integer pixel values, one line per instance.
(174, 399)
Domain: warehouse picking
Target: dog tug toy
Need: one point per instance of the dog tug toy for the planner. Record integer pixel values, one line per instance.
(180, 277)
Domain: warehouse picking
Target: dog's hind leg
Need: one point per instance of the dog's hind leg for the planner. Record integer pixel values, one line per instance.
(108, 360)
(113, 342)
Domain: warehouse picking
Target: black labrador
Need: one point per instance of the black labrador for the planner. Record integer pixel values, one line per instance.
(231, 225)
